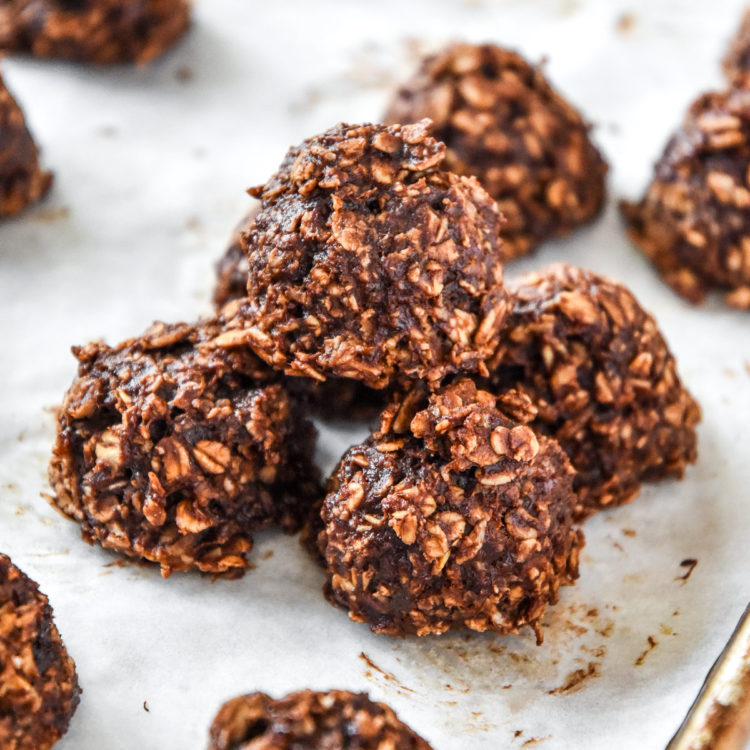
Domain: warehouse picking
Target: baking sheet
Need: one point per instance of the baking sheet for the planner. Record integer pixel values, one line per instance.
(151, 167)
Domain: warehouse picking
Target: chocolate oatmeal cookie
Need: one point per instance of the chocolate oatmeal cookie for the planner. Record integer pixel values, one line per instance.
(38, 682)
(453, 515)
(307, 720)
(602, 382)
(503, 122)
(93, 31)
(737, 60)
(22, 181)
(694, 221)
(369, 262)
(175, 447)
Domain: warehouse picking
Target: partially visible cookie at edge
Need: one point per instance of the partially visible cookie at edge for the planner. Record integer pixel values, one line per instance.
(309, 720)
(102, 32)
(693, 223)
(39, 690)
(22, 180)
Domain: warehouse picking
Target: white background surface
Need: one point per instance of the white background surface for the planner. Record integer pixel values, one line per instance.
(150, 172)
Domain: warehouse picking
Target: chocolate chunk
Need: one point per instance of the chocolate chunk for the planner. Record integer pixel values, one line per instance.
(694, 221)
(368, 262)
(175, 447)
(21, 179)
(600, 380)
(737, 60)
(306, 720)
(93, 31)
(451, 516)
(39, 689)
(502, 122)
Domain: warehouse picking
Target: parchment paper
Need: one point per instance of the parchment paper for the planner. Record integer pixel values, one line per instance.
(151, 167)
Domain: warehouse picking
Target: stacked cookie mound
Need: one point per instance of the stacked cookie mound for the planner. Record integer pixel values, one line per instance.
(374, 276)
(454, 514)
(515, 410)
(368, 261)
(601, 381)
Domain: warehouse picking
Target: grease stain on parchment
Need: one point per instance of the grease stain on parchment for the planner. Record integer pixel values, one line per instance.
(576, 679)
(466, 670)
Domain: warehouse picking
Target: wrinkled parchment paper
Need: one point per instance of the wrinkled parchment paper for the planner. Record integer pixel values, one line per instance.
(151, 167)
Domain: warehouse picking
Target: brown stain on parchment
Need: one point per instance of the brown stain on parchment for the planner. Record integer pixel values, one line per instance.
(690, 564)
(50, 215)
(184, 74)
(384, 674)
(575, 636)
(130, 562)
(626, 23)
(477, 723)
(652, 644)
(576, 679)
